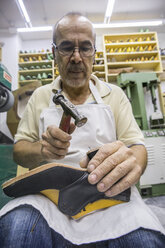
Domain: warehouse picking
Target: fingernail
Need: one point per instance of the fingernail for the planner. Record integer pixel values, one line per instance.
(91, 167)
(92, 177)
(101, 186)
(109, 193)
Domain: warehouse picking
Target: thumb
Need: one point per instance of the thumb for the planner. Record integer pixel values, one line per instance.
(84, 162)
(72, 128)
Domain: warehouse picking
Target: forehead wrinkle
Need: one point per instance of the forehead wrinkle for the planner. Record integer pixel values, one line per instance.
(75, 27)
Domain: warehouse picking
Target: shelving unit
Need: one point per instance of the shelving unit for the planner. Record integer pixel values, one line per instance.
(56, 72)
(0, 54)
(36, 66)
(163, 103)
(162, 99)
(162, 94)
(99, 66)
(162, 75)
(163, 61)
(136, 51)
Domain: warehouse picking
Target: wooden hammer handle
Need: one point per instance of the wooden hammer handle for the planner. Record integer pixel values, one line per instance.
(65, 122)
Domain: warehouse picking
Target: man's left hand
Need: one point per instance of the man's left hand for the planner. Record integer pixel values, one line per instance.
(116, 167)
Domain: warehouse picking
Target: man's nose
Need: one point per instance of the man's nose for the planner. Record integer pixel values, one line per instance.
(76, 56)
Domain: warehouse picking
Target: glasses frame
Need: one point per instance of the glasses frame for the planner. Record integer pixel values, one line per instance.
(56, 48)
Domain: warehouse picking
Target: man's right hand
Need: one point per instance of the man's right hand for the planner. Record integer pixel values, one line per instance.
(54, 145)
(55, 142)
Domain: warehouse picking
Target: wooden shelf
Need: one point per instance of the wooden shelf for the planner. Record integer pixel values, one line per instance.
(35, 62)
(0, 54)
(137, 50)
(135, 37)
(163, 61)
(98, 59)
(33, 54)
(33, 72)
(130, 44)
(29, 81)
(99, 69)
(133, 62)
(24, 82)
(101, 72)
(132, 53)
(139, 65)
(112, 77)
(162, 99)
(162, 76)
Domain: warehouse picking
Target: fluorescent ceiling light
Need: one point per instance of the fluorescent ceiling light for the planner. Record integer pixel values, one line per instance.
(23, 11)
(128, 24)
(100, 25)
(34, 29)
(109, 10)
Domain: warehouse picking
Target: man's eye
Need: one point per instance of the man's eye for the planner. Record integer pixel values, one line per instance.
(85, 49)
(67, 48)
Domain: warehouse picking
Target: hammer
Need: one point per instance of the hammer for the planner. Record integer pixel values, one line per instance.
(69, 111)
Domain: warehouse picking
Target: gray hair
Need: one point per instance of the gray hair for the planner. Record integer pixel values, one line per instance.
(78, 14)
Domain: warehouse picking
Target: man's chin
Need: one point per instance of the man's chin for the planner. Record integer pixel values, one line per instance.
(75, 82)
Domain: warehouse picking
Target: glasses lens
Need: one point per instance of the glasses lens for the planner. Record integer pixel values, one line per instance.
(68, 49)
(87, 51)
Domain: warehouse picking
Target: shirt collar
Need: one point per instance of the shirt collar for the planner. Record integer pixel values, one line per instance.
(103, 88)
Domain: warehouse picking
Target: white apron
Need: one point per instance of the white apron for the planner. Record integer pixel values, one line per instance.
(104, 224)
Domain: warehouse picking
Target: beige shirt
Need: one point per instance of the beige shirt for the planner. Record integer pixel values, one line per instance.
(108, 223)
(127, 129)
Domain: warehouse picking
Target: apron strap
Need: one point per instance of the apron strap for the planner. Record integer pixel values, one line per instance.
(95, 92)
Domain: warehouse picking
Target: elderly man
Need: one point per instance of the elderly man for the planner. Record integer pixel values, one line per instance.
(35, 221)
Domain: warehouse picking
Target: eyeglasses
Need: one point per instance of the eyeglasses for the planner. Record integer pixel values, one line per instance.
(68, 48)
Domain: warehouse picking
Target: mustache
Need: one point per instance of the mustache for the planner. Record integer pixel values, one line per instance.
(75, 68)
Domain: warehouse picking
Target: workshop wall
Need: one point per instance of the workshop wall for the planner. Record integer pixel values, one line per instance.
(13, 44)
(10, 49)
(36, 45)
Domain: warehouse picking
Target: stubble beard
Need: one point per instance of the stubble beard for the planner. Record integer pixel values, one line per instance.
(75, 83)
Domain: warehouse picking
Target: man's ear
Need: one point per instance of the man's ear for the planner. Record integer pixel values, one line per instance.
(53, 52)
(93, 60)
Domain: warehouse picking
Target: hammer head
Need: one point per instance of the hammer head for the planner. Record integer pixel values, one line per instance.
(69, 108)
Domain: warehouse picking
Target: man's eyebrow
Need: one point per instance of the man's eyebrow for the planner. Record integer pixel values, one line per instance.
(66, 42)
(69, 42)
(86, 42)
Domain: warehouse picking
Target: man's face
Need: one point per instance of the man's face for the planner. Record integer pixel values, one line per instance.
(75, 69)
